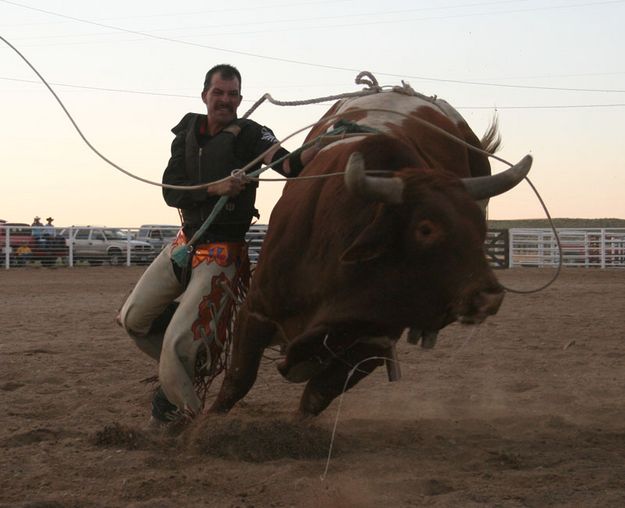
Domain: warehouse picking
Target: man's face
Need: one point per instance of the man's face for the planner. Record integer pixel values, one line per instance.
(222, 100)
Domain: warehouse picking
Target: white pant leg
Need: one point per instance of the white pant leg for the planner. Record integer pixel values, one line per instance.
(156, 289)
(180, 345)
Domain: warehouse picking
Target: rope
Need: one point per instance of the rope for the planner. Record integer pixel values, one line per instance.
(557, 237)
(128, 173)
(363, 77)
(93, 148)
(180, 255)
(338, 409)
(354, 369)
(219, 205)
(475, 149)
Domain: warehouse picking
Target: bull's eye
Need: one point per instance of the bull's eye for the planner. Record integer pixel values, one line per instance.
(427, 232)
(425, 228)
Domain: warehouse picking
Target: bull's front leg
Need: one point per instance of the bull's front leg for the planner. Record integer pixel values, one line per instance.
(328, 384)
(253, 333)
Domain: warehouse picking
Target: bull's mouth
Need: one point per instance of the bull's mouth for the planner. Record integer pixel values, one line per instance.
(479, 306)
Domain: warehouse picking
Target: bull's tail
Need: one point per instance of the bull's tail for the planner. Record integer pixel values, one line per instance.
(491, 140)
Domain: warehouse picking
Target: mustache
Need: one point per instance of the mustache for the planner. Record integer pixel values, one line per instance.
(225, 106)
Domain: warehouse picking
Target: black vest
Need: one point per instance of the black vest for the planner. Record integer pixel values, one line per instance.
(212, 162)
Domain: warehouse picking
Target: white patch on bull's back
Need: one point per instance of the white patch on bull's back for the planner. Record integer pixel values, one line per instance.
(394, 102)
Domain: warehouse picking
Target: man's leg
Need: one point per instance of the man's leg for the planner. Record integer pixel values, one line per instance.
(192, 320)
(146, 306)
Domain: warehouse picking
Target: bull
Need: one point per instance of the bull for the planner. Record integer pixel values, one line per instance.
(349, 263)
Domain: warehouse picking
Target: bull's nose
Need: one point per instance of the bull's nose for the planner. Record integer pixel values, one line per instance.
(481, 305)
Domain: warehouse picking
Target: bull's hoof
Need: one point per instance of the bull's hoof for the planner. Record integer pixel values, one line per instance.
(426, 337)
(301, 371)
(300, 417)
(428, 340)
(414, 336)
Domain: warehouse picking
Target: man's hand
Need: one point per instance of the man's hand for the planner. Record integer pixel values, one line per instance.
(230, 186)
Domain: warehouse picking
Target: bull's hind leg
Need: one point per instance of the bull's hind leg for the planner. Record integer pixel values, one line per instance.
(253, 333)
(324, 387)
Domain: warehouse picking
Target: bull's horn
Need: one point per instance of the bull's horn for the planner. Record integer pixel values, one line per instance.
(387, 190)
(483, 187)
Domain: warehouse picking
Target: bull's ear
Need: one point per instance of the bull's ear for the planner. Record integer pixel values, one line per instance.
(373, 242)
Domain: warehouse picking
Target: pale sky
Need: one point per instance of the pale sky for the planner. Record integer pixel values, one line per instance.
(553, 71)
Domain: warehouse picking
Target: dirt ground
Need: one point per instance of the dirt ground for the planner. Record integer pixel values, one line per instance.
(525, 410)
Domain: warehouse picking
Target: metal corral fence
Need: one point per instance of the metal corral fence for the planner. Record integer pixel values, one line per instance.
(598, 248)
(22, 245)
(497, 248)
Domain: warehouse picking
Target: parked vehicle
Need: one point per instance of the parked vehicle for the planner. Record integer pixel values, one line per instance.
(157, 235)
(23, 247)
(97, 245)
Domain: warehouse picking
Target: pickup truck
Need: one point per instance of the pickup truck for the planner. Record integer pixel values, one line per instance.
(98, 245)
(17, 239)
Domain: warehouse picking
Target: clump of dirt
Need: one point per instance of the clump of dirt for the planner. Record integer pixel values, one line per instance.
(40, 504)
(29, 437)
(259, 440)
(121, 436)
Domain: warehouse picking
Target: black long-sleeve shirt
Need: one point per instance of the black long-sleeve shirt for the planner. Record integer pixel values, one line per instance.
(252, 140)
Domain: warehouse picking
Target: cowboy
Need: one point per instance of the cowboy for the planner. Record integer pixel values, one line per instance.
(206, 149)
(37, 228)
(49, 229)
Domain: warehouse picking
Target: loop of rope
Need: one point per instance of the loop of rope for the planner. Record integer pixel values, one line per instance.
(367, 78)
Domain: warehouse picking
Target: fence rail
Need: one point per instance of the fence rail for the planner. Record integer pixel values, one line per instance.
(587, 248)
(22, 245)
(497, 248)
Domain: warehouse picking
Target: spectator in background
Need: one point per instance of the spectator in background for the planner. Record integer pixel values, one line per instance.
(49, 227)
(37, 227)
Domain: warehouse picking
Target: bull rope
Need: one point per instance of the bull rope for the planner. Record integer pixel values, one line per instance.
(373, 88)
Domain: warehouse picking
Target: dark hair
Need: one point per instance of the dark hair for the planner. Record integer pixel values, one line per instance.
(226, 71)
